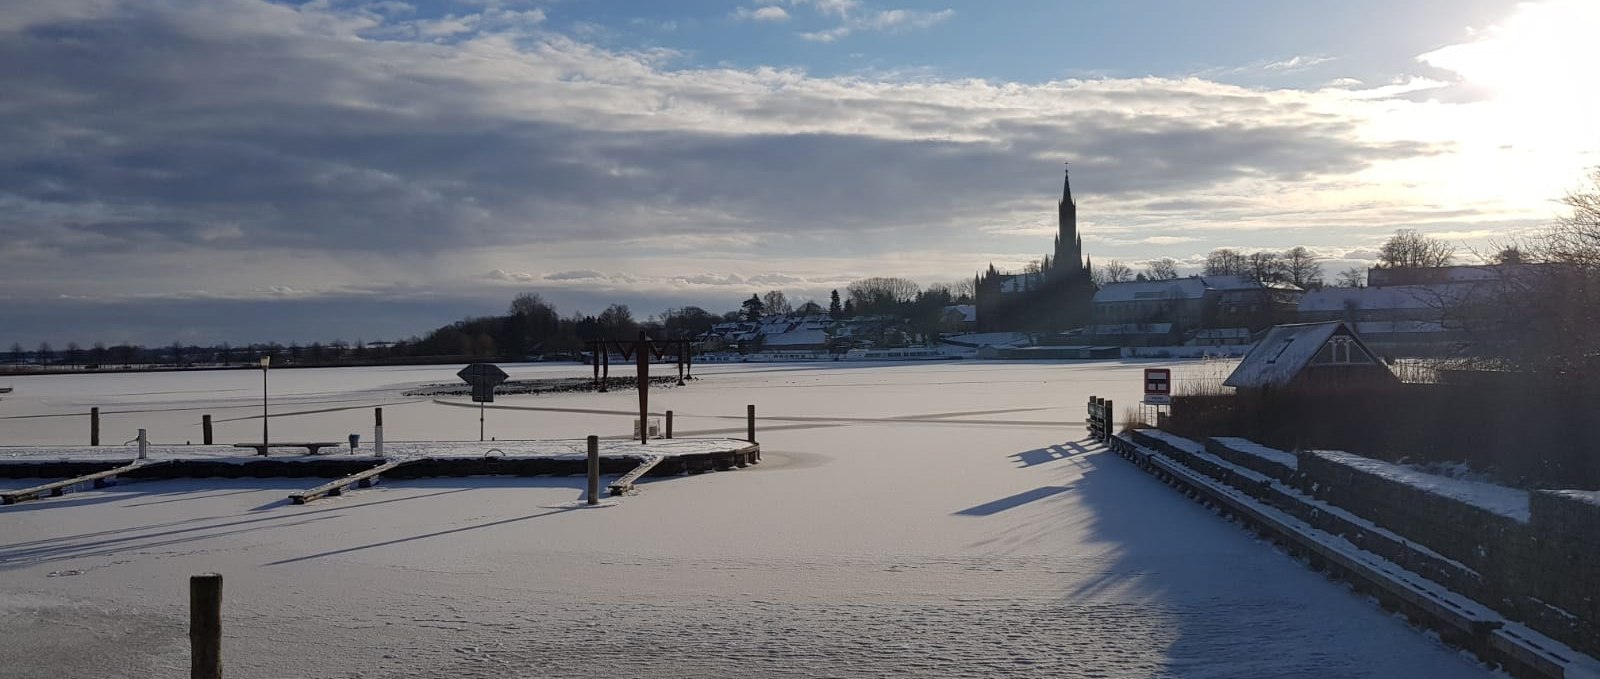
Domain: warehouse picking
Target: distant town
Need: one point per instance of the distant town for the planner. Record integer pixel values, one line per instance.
(1417, 301)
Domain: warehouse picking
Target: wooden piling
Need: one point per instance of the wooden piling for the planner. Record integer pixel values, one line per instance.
(594, 470)
(144, 444)
(642, 358)
(377, 432)
(750, 422)
(205, 626)
(205, 429)
(669, 424)
(94, 426)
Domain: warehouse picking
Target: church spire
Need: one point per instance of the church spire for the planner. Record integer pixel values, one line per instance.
(1066, 188)
(1069, 244)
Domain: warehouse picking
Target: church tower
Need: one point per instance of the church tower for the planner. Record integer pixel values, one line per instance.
(1069, 245)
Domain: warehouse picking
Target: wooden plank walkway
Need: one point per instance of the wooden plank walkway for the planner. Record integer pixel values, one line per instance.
(100, 479)
(625, 483)
(362, 479)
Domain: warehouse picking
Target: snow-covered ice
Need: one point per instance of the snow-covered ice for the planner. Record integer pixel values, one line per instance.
(921, 520)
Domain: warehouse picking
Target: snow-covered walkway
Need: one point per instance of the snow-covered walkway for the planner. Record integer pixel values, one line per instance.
(873, 540)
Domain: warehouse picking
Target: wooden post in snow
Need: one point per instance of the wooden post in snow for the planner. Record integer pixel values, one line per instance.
(669, 424)
(205, 626)
(594, 470)
(750, 422)
(377, 432)
(94, 426)
(642, 358)
(205, 429)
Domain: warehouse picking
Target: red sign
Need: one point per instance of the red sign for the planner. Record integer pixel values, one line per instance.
(1158, 385)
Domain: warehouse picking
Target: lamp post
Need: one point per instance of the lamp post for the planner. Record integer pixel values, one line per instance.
(265, 361)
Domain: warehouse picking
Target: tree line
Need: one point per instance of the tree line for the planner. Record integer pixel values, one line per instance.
(531, 326)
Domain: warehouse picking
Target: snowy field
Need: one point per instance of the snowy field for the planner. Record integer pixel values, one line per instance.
(916, 520)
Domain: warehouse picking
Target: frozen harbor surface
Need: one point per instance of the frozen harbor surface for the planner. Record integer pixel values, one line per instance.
(932, 520)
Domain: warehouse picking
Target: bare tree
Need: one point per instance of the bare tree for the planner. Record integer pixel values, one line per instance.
(1113, 271)
(1411, 250)
(1575, 239)
(1300, 267)
(964, 289)
(1225, 262)
(1353, 277)
(1264, 266)
(1164, 269)
(881, 294)
(774, 302)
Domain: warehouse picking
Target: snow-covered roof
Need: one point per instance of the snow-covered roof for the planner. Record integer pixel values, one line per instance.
(1394, 297)
(969, 312)
(1284, 352)
(1396, 327)
(796, 338)
(1222, 333)
(1130, 329)
(1232, 282)
(1138, 291)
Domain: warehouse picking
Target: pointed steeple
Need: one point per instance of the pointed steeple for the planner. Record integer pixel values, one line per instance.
(1068, 245)
(1066, 189)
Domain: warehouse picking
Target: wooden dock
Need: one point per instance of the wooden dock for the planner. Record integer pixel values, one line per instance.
(82, 468)
(99, 479)
(361, 479)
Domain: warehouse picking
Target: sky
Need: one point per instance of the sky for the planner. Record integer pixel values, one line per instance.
(252, 171)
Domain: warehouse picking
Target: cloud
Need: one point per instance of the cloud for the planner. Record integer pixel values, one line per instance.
(886, 21)
(1297, 63)
(769, 13)
(229, 146)
(583, 275)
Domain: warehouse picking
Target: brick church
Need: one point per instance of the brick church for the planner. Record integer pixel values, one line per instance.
(1051, 297)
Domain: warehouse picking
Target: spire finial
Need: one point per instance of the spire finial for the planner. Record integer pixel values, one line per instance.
(1066, 185)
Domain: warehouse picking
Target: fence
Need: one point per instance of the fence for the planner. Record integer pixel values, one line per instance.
(1100, 421)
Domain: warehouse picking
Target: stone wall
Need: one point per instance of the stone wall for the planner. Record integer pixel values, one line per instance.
(1540, 565)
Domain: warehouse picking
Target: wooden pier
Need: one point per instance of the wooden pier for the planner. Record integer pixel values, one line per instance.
(629, 462)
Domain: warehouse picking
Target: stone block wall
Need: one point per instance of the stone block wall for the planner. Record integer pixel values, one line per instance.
(1543, 571)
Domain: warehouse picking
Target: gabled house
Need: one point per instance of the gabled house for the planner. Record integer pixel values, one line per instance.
(1308, 354)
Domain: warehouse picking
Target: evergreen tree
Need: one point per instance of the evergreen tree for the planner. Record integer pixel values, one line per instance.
(834, 309)
(753, 308)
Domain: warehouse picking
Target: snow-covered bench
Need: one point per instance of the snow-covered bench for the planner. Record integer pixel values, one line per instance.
(312, 446)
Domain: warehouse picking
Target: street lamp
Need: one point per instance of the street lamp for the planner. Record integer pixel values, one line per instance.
(265, 361)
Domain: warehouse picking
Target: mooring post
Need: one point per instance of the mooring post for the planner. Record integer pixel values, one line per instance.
(377, 432)
(750, 422)
(594, 470)
(205, 429)
(94, 426)
(143, 444)
(1109, 420)
(642, 359)
(205, 626)
(669, 424)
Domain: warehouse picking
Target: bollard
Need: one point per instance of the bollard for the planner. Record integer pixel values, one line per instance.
(205, 626)
(205, 429)
(94, 426)
(377, 432)
(669, 424)
(750, 422)
(594, 470)
(143, 444)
